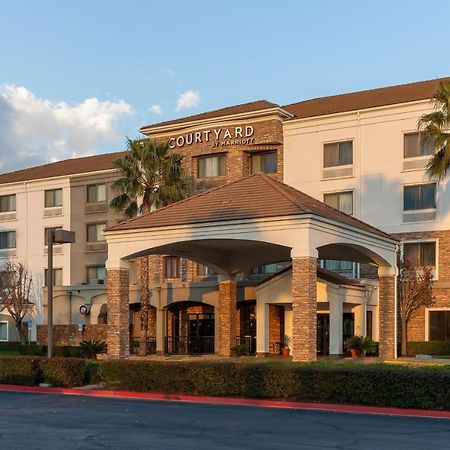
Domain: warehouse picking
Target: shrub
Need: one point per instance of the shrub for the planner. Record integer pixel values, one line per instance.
(65, 372)
(429, 348)
(19, 370)
(90, 349)
(365, 385)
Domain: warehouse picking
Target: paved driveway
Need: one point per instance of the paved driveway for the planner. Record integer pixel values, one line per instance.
(43, 421)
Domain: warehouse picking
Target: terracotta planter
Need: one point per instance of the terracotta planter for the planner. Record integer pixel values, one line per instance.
(285, 351)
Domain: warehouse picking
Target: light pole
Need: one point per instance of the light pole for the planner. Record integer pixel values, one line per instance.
(55, 236)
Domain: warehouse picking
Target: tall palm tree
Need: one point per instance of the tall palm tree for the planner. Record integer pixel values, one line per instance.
(436, 126)
(152, 176)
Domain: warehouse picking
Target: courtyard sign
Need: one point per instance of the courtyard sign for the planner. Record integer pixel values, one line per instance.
(219, 137)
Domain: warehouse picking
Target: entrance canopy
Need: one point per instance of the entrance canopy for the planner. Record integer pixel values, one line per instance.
(254, 221)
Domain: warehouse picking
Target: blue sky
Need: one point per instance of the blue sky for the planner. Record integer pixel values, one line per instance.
(77, 76)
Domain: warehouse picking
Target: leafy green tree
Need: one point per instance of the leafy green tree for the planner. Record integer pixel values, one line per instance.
(152, 176)
(436, 127)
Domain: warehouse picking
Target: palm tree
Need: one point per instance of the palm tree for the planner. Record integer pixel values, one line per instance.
(152, 176)
(436, 127)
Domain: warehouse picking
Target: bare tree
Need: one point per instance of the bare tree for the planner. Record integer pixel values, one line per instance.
(415, 291)
(15, 286)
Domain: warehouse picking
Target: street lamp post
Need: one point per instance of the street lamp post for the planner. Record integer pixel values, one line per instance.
(55, 236)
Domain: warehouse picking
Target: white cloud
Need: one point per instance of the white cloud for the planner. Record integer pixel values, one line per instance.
(188, 99)
(35, 131)
(156, 109)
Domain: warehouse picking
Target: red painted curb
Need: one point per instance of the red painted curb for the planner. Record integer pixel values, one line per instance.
(356, 409)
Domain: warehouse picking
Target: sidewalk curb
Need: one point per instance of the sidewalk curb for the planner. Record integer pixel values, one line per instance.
(280, 404)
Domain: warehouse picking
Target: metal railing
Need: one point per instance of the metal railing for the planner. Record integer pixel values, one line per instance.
(186, 345)
(151, 346)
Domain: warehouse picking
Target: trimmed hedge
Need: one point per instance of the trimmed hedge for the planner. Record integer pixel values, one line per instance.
(429, 348)
(364, 385)
(64, 372)
(19, 370)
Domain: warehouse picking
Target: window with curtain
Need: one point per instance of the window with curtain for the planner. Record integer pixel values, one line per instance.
(96, 193)
(7, 240)
(416, 144)
(94, 232)
(52, 198)
(421, 196)
(265, 162)
(211, 166)
(338, 154)
(7, 203)
(439, 325)
(171, 267)
(343, 201)
(420, 253)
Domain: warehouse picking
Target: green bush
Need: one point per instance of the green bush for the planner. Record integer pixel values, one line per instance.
(19, 370)
(65, 372)
(429, 348)
(365, 385)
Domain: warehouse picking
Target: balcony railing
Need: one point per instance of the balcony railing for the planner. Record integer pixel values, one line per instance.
(186, 345)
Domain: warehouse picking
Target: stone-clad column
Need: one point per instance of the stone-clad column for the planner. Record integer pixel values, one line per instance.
(387, 312)
(304, 308)
(118, 311)
(227, 315)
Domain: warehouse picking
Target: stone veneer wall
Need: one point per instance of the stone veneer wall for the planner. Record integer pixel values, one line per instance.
(304, 308)
(70, 335)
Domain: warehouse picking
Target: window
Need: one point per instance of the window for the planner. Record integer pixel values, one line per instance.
(343, 201)
(7, 203)
(53, 197)
(7, 240)
(265, 162)
(211, 166)
(46, 230)
(3, 331)
(57, 277)
(94, 232)
(171, 267)
(338, 154)
(95, 273)
(265, 270)
(439, 325)
(204, 271)
(422, 196)
(420, 253)
(416, 144)
(96, 193)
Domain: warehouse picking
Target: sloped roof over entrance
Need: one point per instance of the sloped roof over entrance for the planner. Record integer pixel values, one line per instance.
(254, 197)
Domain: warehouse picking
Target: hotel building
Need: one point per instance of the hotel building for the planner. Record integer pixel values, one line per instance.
(259, 256)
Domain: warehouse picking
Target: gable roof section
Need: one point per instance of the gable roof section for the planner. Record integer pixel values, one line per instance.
(403, 93)
(229, 110)
(61, 168)
(254, 197)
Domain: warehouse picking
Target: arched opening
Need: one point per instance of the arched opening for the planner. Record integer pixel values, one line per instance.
(190, 328)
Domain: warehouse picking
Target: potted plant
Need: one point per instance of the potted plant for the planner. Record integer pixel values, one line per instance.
(359, 346)
(285, 345)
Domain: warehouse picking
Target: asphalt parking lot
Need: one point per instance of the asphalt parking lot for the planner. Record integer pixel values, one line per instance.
(49, 421)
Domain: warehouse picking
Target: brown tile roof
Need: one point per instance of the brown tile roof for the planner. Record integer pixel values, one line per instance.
(67, 167)
(391, 95)
(254, 197)
(229, 110)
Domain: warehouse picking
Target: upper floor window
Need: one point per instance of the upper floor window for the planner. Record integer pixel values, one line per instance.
(96, 193)
(171, 267)
(338, 154)
(420, 196)
(7, 203)
(265, 162)
(95, 274)
(343, 201)
(416, 144)
(7, 240)
(94, 232)
(57, 277)
(211, 166)
(420, 254)
(53, 197)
